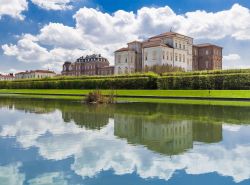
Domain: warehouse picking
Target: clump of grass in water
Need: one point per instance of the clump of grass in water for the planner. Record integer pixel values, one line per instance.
(96, 97)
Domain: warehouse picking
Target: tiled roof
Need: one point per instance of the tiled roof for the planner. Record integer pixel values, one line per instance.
(36, 71)
(206, 45)
(124, 49)
(167, 34)
(89, 58)
(149, 44)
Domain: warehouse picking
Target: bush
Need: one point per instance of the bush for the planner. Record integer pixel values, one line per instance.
(139, 82)
(215, 81)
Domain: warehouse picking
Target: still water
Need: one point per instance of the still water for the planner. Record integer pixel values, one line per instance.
(59, 143)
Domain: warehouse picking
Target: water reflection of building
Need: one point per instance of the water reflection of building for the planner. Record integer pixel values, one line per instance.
(207, 132)
(165, 136)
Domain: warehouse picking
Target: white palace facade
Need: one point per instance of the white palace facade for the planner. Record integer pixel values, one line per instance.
(171, 49)
(165, 49)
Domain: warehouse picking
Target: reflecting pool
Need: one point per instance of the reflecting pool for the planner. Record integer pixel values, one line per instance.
(59, 143)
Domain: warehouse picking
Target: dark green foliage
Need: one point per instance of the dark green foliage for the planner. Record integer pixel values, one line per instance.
(140, 82)
(234, 81)
(219, 80)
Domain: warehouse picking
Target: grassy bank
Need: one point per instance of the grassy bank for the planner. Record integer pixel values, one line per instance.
(213, 97)
(237, 94)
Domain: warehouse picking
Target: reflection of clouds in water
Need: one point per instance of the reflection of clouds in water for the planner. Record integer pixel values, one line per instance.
(55, 178)
(95, 151)
(232, 128)
(10, 175)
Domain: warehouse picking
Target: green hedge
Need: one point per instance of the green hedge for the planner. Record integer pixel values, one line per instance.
(227, 79)
(216, 81)
(106, 83)
(214, 72)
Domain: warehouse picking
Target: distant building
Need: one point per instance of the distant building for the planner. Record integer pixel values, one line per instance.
(35, 74)
(89, 65)
(7, 77)
(171, 49)
(207, 57)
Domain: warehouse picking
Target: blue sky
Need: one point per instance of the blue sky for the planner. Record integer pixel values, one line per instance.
(38, 34)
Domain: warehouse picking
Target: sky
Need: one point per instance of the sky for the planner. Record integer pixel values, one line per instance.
(42, 34)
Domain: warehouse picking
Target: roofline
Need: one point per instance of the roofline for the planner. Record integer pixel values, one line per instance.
(206, 45)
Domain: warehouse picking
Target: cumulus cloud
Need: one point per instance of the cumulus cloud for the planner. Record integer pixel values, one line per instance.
(13, 8)
(10, 174)
(232, 57)
(54, 4)
(99, 32)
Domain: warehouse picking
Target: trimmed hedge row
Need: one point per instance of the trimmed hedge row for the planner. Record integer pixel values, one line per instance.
(217, 82)
(111, 83)
(214, 72)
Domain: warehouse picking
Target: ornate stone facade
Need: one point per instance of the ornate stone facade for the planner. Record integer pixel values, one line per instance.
(89, 65)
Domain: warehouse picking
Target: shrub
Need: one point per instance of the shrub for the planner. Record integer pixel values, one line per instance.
(215, 81)
(138, 82)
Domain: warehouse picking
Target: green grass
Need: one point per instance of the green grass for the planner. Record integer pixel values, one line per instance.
(144, 100)
(146, 95)
(131, 93)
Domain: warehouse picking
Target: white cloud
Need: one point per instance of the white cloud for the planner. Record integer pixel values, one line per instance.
(13, 8)
(54, 4)
(55, 178)
(232, 57)
(98, 32)
(10, 175)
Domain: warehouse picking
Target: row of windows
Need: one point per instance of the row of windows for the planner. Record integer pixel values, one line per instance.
(125, 60)
(180, 45)
(168, 56)
(91, 59)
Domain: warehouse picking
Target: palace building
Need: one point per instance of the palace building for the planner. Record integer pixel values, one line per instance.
(171, 49)
(90, 65)
(7, 77)
(35, 74)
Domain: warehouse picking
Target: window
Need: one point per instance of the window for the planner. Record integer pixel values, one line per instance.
(206, 64)
(180, 57)
(207, 52)
(119, 58)
(146, 56)
(183, 58)
(167, 55)
(154, 55)
(126, 60)
(163, 55)
(180, 45)
(176, 45)
(176, 57)
(184, 47)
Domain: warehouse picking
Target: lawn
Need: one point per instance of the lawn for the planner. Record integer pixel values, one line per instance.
(138, 93)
